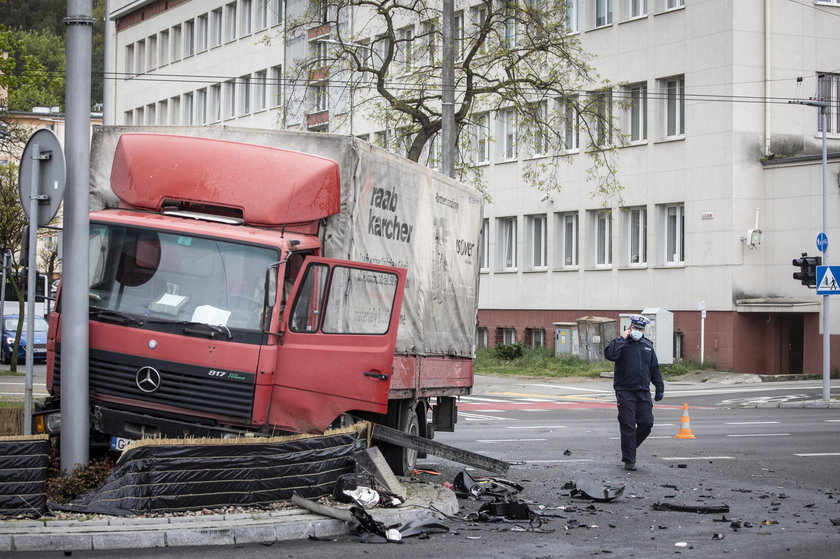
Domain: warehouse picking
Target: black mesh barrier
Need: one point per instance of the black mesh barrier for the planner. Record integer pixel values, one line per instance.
(23, 475)
(172, 475)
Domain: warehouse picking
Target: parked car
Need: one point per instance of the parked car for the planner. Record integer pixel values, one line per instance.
(10, 324)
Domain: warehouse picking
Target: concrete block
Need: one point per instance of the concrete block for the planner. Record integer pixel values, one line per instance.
(5, 543)
(138, 521)
(200, 537)
(372, 461)
(52, 542)
(129, 540)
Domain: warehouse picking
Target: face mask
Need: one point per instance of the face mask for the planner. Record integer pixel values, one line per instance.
(636, 334)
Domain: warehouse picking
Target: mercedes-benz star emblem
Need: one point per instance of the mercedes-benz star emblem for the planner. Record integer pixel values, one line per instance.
(147, 379)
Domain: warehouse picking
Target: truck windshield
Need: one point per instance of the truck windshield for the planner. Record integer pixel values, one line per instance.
(167, 276)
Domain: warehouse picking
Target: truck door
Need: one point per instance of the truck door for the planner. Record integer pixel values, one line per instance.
(337, 346)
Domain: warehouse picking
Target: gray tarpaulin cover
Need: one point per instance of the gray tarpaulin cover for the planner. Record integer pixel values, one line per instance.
(393, 212)
(23, 475)
(168, 475)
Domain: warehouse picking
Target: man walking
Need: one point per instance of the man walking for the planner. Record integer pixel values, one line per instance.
(636, 367)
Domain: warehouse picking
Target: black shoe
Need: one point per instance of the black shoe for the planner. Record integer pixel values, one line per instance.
(630, 466)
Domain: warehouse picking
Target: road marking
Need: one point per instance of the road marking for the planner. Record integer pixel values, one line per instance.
(675, 458)
(762, 435)
(535, 400)
(478, 399)
(819, 454)
(750, 422)
(479, 417)
(571, 388)
(535, 426)
(651, 437)
(558, 461)
(509, 440)
(665, 425)
(832, 420)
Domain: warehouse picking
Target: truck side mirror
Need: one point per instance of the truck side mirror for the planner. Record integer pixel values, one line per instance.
(270, 286)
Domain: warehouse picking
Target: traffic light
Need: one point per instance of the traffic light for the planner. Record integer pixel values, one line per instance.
(807, 265)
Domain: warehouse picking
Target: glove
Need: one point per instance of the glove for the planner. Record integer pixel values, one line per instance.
(659, 396)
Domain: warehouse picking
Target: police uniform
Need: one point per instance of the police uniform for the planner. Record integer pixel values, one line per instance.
(636, 367)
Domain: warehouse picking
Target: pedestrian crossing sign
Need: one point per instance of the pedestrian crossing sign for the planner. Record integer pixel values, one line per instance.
(827, 278)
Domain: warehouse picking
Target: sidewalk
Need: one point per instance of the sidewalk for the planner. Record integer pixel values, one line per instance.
(110, 532)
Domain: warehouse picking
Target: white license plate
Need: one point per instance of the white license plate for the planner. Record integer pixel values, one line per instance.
(119, 443)
(40, 350)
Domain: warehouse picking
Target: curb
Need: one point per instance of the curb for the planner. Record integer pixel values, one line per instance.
(814, 404)
(295, 523)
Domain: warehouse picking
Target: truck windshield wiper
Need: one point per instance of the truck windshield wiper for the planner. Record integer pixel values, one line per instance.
(114, 316)
(204, 329)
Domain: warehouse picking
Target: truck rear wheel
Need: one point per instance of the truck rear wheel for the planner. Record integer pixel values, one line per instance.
(401, 459)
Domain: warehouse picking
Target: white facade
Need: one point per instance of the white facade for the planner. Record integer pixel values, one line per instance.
(715, 150)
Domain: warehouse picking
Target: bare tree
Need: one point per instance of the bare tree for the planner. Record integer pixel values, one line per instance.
(512, 58)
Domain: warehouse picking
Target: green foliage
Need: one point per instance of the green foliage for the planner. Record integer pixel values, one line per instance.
(507, 352)
(539, 362)
(63, 488)
(682, 367)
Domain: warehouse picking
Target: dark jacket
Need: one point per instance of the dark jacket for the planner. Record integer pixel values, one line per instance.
(636, 365)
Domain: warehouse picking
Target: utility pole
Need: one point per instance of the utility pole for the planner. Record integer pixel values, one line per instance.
(826, 322)
(75, 426)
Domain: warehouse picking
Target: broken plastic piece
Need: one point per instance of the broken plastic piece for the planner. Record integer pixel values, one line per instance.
(700, 509)
(422, 526)
(365, 496)
(464, 482)
(393, 535)
(597, 491)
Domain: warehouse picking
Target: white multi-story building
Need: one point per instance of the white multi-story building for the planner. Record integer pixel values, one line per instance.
(721, 173)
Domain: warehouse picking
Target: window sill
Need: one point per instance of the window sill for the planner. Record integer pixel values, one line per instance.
(507, 161)
(484, 271)
(507, 271)
(635, 18)
(633, 267)
(635, 143)
(670, 139)
(536, 270)
(604, 26)
(670, 10)
(482, 164)
(675, 266)
(600, 268)
(566, 269)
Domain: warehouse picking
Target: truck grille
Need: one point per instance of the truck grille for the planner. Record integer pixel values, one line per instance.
(182, 386)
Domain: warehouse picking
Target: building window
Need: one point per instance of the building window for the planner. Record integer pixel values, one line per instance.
(572, 11)
(245, 95)
(175, 110)
(637, 236)
(508, 125)
(141, 56)
(138, 116)
(482, 137)
(320, 97)
(601, 234)
(276, 12)
(260, 90)
(673, 106)
(128, 118)
(177, 38)
(484, 259)
(163, 48)
(152, 52)
(216, 28)
(636, 112)
(507, 242)
(201, 33)
(482, 337)
(674, 215)
(602, 102)
(201, 106)
(636, 8)
(405, 40)
(567, 239)
(672, 4)
(458, 35)
(215, 103)
(430, 31)
(188, 109)
(151, 115)
(571, 126)
(508, 336)
(262, 14)
(536, 241)
(828, 90)
(230, 96)
(245, 21)
(380, 139)
(189, 38)
(129, 60)
(230, 22)
(539, 128)
(162, 112)
(603, 12)
(537, 337)
(510, 27)
(276, 86)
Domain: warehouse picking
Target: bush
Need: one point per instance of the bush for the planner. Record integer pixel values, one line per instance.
(509, 352)
(63, 488)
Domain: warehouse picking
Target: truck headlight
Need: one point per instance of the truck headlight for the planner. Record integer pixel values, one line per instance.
(53, 422)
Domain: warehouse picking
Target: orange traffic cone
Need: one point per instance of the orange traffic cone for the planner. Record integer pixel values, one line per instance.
(685, 425)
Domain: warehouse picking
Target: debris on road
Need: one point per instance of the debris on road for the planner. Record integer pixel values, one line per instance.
(700, 509)
(595, 491)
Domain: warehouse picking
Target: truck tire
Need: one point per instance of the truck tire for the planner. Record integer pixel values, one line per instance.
(402, 460)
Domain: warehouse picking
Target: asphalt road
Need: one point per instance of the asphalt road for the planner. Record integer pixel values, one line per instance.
(776, 470)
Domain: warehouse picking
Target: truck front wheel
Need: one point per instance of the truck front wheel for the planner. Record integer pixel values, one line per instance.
(401, 459)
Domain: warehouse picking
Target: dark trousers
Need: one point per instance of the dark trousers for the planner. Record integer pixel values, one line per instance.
(635, 420)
